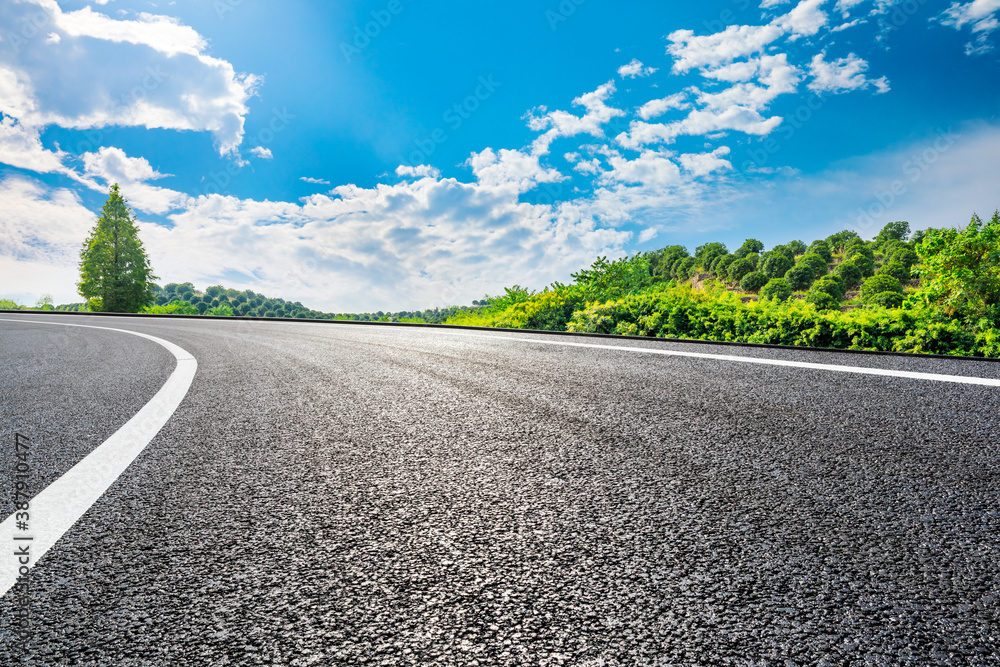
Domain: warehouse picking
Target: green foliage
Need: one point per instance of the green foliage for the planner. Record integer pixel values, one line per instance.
(785, 250)
(894, 231)
(721, 265)
(749, 247)
(838, 242)
(173, 308)
(895, 269)
(613, 279)
(661, 260)
(831, 285)
(518, 294)
(776, 289)
(821, 248)
(708, 253)
(859, 247)
(115, 274)
(738, 269)
(864, 263)
(777, 264)
(850, 273)
(753, 281)
(797, 248)
(822, 300)
(961, 268)
(7, 304)
(905, 256)
(683, 268)
(815, 262)
(223, 310)
(800, 276)
(877, 285)
(886, 300)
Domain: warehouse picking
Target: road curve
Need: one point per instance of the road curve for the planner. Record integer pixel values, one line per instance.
(334, 494)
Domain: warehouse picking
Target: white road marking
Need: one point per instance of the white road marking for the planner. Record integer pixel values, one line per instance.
(56, 508)
(913, 375)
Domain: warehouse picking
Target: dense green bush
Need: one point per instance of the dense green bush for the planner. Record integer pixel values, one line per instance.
(797, 248)
(822, 300)
(753, 281)
(832, 285)
(838, 242)
(886, 300)
(905, 256)
(815, 262)
(800, 277)
(749, 247)
(721, 265)
(683, 268)
(738, 269)
(877, 285)
(859, 247)
(821, 248)
(850, 273)
(777, 264)
(895, 269)
(776, 289)
(863, 262)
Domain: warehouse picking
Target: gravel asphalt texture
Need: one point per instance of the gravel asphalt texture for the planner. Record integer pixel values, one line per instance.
(338, 494)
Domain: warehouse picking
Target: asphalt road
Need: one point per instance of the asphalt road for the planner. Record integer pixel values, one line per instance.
(336, 494)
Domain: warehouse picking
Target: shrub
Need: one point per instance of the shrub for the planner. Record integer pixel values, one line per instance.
(682, 268)
(895, 269)
(753, 281)
(840, 240)
(776, 289)
(815, 262)
(878, 284)
(821, 248)
(800, 277)
(797, 248)
(822, 300)
(750, 246)
(859, 247)
(738, 269)
(905, 256)
(865, 263)
(777, 264)
(886, 300)
(785, 250)
(721, 265)
(831, 285)
(850, 273)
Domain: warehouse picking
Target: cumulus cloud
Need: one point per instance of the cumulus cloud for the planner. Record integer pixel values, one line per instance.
(315, 181)
(21, 147)
(420, 171)
(691, 51)
(512, 169)
(564, 124)
(262, 153)
(655, 108)
(97, 71)
(842, 74)
(980, 16)
(635, 69)
(805, 20)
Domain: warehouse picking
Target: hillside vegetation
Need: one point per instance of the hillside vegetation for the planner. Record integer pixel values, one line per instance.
(935, 291)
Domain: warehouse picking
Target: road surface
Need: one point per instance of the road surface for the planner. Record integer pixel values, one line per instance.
(341, 494)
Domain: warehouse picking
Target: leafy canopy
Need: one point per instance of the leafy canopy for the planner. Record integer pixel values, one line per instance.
(115, 273)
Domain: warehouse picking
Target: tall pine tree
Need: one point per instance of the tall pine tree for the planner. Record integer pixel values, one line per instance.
(115, 273)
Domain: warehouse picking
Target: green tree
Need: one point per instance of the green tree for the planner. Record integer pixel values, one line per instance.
(750, 246)
(776, 289)
(115, 273)
(753, 281)
(961, 267)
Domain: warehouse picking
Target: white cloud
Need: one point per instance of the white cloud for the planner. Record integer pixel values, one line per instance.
(21, 147)
(563, 124)
(635, 69)
(842, 74)
(980, 15)
(420, 171)
(262, 153)
(114, 166)
(805, 20)
(511, 169)
(703, 164)
(315, 181)
(691, 51)
(41, 225)
(655, 108)
(96, 71)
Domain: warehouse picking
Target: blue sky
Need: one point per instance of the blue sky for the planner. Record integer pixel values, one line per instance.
(386, 155)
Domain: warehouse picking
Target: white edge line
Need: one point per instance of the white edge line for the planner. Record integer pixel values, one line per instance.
(913, 375)
(56, 508)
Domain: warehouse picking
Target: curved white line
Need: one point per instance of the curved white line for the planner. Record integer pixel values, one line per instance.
(56, 508)
(839, 368)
